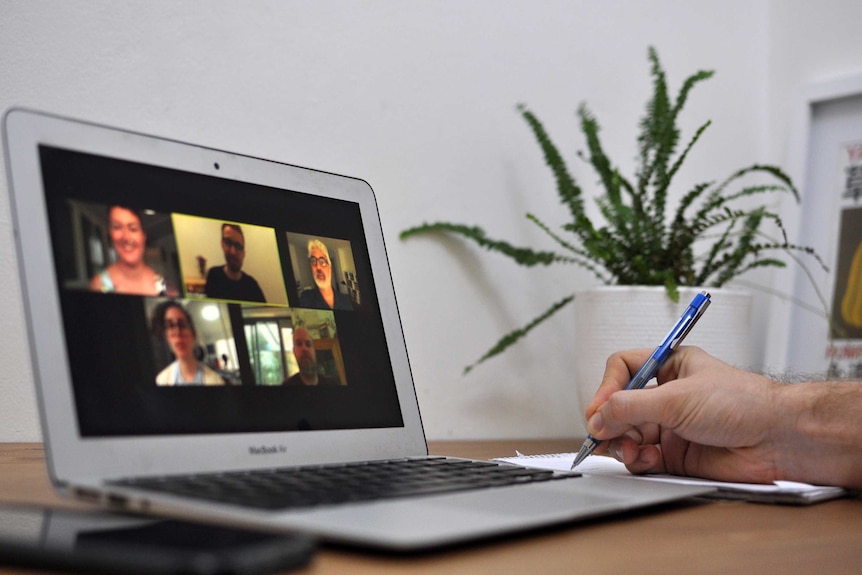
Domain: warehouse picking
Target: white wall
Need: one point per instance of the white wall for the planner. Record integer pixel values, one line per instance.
(418, 99)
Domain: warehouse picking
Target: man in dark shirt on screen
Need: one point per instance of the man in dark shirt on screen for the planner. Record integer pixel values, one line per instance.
(306, 358)
(229, 281)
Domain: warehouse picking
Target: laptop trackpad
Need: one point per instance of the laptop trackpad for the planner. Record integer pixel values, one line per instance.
(559, 498)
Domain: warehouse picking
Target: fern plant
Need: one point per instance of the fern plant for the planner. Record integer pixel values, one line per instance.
(707, 240)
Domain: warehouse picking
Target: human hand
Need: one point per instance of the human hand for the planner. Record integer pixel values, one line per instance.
(705, 418)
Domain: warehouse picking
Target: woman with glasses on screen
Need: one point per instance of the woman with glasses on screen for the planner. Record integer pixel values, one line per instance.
(172, 322)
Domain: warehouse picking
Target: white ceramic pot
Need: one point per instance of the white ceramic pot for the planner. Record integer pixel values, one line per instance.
(613, 318)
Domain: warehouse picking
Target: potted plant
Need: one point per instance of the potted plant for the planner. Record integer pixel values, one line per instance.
(709, 238)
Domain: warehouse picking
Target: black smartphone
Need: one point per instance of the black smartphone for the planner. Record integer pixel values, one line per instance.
(99, 542)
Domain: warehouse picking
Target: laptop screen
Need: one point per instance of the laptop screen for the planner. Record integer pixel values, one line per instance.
(196, 304)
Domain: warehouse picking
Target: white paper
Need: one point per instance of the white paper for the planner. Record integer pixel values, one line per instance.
(604, 465)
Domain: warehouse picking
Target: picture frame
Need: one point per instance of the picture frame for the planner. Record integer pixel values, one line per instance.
(826, 146)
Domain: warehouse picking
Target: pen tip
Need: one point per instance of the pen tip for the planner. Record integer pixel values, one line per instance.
(586, 449)
(579, 458)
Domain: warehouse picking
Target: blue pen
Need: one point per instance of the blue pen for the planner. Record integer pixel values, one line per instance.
(695, 309)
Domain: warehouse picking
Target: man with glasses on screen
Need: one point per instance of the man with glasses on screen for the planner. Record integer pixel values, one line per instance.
(323, 295)
(229, 281)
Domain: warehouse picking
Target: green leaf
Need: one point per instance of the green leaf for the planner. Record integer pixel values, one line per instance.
(523, 256)
(512, 337)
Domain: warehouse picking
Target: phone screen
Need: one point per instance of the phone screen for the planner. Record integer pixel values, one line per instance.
(109, 543)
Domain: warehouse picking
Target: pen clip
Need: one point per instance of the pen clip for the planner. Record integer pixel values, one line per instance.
(699, 312)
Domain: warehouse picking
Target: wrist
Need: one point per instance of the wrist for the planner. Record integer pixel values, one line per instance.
(821, 442)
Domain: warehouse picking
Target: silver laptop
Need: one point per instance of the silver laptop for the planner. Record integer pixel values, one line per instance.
(198, 318)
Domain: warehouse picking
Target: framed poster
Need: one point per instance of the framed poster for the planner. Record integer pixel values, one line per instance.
(819, 331)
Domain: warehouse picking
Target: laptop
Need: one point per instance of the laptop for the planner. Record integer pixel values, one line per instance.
(199, 317)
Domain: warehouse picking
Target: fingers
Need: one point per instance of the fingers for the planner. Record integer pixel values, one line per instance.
(622, 365)
(629, 423)
(636, 457)
(626, 410)
(630, 444)
(618, 372)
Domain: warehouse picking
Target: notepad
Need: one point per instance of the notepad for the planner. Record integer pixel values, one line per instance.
(788, 492)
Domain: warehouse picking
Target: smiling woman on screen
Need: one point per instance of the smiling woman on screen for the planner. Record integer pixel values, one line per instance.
(129, 273)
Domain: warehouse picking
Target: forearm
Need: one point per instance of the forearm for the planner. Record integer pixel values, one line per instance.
(823, 433)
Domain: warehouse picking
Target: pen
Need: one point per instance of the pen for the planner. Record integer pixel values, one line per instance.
(692, 313)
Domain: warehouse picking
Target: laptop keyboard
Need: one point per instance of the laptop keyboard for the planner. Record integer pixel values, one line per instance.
(300, 487)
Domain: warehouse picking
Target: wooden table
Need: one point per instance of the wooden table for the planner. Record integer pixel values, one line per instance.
(691, 537)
